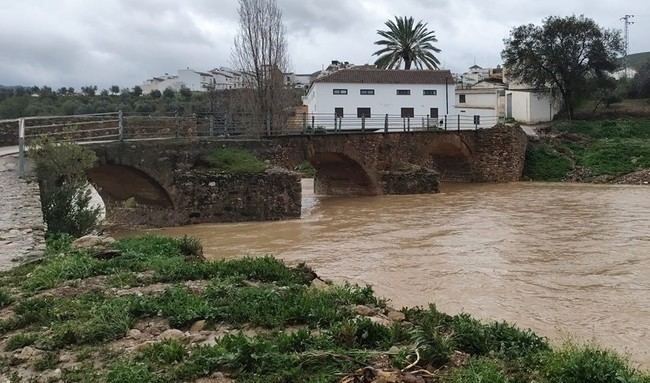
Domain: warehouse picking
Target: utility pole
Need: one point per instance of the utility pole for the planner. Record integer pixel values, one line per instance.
(626, 22)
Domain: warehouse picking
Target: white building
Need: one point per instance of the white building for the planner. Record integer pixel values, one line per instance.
(486, 98)
(161, 83)
(529, 105)
(476, 74)
(370, 95)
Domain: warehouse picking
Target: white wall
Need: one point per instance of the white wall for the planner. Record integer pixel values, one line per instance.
(321, 100)
(531, 107)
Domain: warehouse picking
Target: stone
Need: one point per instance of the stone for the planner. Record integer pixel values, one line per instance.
(197, 327)
(364, 310)
(381, 321)
(26, 354)
(172, 334)
(318, 283)
(134, 333)
(396, 316)
(92, 242)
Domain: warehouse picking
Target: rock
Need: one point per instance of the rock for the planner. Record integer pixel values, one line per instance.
(172, 334)
(217, 377)
(92, 242)
(381, 320)
(134, 333)
(26, 354)
(396, 316)
(364, 310)
(320, 284)
(107, 254)
(197, 327)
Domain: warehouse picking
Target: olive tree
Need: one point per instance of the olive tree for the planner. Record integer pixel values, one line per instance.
(564, 53)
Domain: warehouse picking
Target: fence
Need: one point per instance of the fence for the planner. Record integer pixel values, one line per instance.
(118, 126)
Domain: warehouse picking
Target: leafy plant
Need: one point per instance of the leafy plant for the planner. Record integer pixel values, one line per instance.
(231, 160)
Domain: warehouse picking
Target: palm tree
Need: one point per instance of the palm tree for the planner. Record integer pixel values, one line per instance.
(406, 42)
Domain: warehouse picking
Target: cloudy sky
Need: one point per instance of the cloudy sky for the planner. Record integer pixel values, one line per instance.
(80, 42)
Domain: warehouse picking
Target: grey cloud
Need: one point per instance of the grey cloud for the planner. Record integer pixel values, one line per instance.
(70, 42)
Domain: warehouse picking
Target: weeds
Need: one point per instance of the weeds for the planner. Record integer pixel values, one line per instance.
(19, 341)
(231, 160)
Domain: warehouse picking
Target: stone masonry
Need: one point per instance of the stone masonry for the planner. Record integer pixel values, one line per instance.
(22, 232)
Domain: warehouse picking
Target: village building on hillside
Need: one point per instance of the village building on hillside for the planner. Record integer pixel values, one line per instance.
(372, 94)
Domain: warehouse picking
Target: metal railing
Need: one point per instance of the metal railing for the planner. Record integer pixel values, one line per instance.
(119, 126)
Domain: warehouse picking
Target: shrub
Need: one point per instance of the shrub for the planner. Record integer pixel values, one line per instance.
(61, 170)
(233, 161)
(578, 364)
(479, 371)
(19, 341)
(545, 164)
(5, 298)
(190, 247)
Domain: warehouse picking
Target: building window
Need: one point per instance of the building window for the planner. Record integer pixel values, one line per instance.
(341, 91)
(461, 98)
(408, 113)
(338, 112)
(433, 113)
(403, 92)
(430, 92)
(363, 112)
(367, 92)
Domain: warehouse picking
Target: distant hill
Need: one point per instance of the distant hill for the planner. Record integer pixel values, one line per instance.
(637, 60)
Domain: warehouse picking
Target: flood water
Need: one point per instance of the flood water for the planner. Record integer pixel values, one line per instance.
(568, 261)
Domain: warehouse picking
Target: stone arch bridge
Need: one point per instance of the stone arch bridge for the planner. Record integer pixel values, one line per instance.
(162, 180)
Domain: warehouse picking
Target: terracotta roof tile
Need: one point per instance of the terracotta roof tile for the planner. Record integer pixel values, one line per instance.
(380, 76)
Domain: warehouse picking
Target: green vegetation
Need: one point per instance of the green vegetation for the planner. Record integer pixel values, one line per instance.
(608, 148)
(306, 169)
(234, 161)
(269, 323)
(65, 197)
(637, 60)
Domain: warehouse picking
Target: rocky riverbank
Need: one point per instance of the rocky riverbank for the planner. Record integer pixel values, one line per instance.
(151, 309)
(610, 151)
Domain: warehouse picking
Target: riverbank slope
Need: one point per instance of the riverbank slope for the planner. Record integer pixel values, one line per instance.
(150, 309)
(600, 151)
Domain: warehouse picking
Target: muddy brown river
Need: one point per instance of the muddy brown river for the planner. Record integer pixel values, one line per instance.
(568, 261)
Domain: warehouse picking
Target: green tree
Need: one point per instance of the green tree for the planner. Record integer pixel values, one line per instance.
(156, 94)
(564, 54)
(407, 42)
(137, 91)
(169, 93)
(65, 198)
(89, 91)
(115, 89)
(185, 92)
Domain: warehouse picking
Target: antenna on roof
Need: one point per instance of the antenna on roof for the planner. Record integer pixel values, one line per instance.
(626, 21)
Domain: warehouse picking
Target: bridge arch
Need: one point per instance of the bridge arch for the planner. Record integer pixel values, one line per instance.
(117, 184)
(339, 174)
(452, 157)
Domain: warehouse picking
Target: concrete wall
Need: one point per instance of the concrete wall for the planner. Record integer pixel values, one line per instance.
(532, 107)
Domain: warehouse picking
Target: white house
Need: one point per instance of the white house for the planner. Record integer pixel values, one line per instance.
(405, 96)
(529, 105)
(194, 80)
(486, 98)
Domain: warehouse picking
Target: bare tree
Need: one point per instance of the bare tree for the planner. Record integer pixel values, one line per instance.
(260, 53)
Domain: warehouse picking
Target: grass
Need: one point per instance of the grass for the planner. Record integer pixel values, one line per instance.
(231, 160)
(603, 148)
(326, 342)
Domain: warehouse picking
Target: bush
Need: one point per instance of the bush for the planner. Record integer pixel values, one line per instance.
(578, 364)
(545, 164)
(479, 371)
(61, 170)
(190, 247)
(234, 161)
(19, 341)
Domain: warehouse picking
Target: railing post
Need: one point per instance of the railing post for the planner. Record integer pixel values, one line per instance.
(428, 122)
(211, 125)
(363, 123)
(21, 148)
(386, 123)
(408, 124)
(445, 122)
(403, 124)
(459, 122)
(120, 125)
(313, 124)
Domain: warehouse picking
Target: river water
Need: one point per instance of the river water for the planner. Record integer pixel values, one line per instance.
(570, 261)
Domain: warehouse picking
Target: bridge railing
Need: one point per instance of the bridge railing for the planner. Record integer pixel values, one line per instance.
(118, 126)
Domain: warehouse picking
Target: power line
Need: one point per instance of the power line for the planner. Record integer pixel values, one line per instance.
(627, 22)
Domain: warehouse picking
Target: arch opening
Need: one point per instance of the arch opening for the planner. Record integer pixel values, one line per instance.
(338, 174)
(452, 160)
(117, 184)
